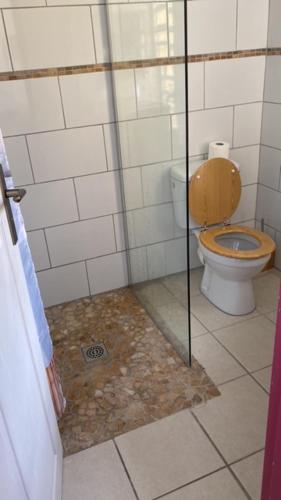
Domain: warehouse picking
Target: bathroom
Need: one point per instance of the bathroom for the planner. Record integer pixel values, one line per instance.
(99, 113)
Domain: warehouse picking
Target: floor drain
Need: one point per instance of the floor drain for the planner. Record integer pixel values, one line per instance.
(94, 352)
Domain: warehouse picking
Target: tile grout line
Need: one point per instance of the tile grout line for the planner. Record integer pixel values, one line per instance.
(7, 40)
(220, 454)
(62, 105)
(30, 161)
(125, 469)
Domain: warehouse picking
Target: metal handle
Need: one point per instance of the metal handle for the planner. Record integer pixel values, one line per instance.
(16, 194)
(9, 195)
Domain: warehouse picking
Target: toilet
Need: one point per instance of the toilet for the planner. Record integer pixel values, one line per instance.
(232, 255)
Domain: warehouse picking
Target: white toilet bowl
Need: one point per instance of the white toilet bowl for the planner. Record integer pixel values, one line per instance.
(227, 282)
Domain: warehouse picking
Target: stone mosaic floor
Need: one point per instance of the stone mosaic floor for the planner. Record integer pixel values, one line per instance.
(142, 380)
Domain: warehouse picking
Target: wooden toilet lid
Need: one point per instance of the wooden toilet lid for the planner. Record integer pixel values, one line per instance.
(214, 191)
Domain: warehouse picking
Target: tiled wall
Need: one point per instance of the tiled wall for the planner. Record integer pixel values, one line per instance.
(269, 189)
(60, 131)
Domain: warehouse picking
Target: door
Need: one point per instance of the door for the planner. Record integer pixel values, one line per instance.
(30, 446)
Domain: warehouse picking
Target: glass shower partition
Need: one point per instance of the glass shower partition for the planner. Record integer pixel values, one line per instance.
(149, 73)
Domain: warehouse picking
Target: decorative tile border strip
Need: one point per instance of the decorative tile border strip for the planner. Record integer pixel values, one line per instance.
(145, 63)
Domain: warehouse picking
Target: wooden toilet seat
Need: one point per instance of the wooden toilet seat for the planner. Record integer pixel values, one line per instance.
(266, 244)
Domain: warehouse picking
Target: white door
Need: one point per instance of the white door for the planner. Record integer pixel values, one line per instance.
(30, 446)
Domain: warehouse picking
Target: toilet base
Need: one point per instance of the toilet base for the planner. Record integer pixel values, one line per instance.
(232, 297)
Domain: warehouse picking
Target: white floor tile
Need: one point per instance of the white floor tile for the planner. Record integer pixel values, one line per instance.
(155, 294)
(219, 364)
(272, 316)
(167, 454)
(211, 317)
(264, 377)
(251, 342)
(249, 471)
(96, 473)
(210, 488)
(236, 421)
(175, 317)
(266, 288)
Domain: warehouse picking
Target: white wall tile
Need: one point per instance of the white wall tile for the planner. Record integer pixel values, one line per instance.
(176, 260)
(49, 204)
(195, 86)
(46, 38)
(270, 167)
(81, 240)
(247, 205)
(138, 31)
(179, 136)
(248, 159)
(252, 24)
(125, 94)
(247, 124)
(73, 2)
(98, 194)
(145, 141)
(152, 224)
(101, 35)
(132, 183)
(31, 105)
(107, 273)
(138, 265)
(271, 131)
(269, 207)
(38, 247)
(18, 159)
(274, 32)
(111, 146)
(67, 153)
(21, 3)
(156, 261)
(119, 230)
(176, 28)
(5, 63)
(206, 126)
(211, 26)
(63, 284)
(156, 183)
(87, 98)
(160, 90)
(234, 81)
(272, 90)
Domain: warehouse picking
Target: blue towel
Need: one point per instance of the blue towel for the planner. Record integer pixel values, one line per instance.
(29, 270)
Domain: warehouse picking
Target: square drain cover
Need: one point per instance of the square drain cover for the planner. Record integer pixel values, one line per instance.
(94, 352)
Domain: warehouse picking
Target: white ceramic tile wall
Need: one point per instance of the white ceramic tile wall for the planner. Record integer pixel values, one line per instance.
(30, 106)
(47, 38)
(67, 153)
(62, 141)
(87, 99)
(16, 148)
(5, 62)
(269, 189)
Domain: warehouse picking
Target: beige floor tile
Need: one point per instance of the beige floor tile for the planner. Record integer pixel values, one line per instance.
(177, 283)
(219, 486)
(167, 454)
(154, 294)
(211, 317)
(218, 363)
(236, 421)
(251, 342)
(175, 317)
(249, 472)
(263, 377)
(272, 316)
(266, 287)
(96, 473)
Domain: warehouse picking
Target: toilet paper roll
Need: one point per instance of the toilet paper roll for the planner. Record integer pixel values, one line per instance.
(218, 149)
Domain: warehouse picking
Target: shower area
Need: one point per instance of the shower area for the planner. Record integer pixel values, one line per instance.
(97, 130)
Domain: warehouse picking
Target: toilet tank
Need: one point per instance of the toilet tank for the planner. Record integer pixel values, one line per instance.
(178, 185)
